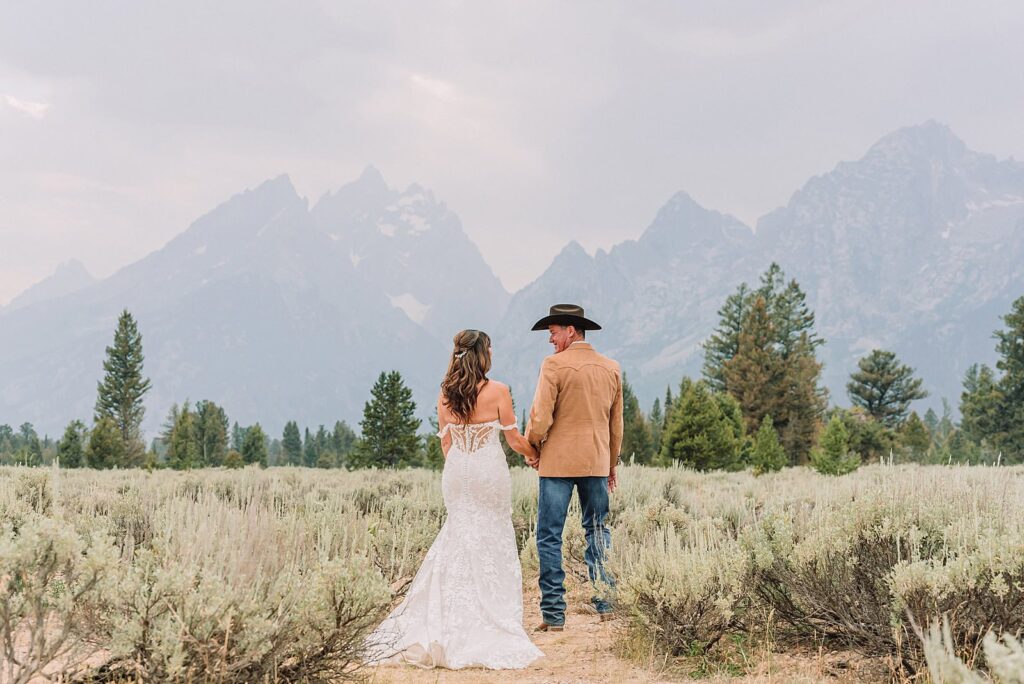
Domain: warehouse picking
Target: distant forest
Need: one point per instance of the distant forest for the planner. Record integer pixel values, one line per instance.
(758, 404)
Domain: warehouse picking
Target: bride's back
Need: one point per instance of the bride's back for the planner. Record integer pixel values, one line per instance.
(484, 411)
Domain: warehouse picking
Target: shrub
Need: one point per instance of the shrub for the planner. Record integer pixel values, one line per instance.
(1004, 656)
(767, 454)
(47, 574)
(234, 460)
(683, 593)
(832, 456)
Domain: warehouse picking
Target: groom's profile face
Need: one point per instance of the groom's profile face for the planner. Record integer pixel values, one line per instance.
(561, 336)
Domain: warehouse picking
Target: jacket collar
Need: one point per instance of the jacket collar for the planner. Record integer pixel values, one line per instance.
(579, 345)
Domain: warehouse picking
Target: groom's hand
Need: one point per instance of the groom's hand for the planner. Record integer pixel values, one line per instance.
(613, 480)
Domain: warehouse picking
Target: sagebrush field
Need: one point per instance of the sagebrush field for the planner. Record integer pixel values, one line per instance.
(264, 575)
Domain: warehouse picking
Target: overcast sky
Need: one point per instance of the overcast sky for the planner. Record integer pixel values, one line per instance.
(537, 122)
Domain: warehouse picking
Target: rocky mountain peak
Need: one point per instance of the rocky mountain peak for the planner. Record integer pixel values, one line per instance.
(69, 276)
(683, 220)
(931, 141)
(572, 255)
(364, 194)
(73, 268)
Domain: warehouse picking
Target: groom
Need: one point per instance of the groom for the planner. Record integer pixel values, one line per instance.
(576, 425)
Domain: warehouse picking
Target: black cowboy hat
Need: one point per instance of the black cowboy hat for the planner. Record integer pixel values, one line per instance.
(566, 314)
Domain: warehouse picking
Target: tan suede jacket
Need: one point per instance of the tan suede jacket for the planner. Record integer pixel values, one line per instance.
(576, 417)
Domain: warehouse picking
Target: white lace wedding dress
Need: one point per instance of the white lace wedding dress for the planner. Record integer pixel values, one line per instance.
(465, 606)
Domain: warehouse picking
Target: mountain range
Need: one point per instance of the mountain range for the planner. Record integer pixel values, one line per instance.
(277, 309)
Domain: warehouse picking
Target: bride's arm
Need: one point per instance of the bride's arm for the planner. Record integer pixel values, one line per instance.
(507, 416)
(446, 441)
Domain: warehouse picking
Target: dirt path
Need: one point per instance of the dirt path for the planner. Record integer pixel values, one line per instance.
(584, 654)
(579, 655)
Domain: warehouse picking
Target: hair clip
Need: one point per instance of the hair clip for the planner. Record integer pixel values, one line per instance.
(460, 354)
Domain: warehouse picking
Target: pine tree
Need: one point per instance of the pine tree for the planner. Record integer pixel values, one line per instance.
(884, 387)
(237, 437)
(322, 440)
(389, 426)
(434, 458)
(981, 405)
(309, 453)
(6, 440)
(180, 437)
(667, 408)
(754, 375)
(254, 448)
(792, 323)
(803, 401)
(866, 436)
(30, 449)
(914, 437)
(119, 396)
(343, 440)
(637, 442)
(211, 433)
(291, 443)
(725, 340)
(1010, 345)
(767, 454)
(27, 433)
(71, 448)
(699, 434)
(274, 451)
(963, 450)
(832, 456)
(944, 430)
(792, 318)
(732, 413)
(767, 360)
(106, 447)
(656, 424)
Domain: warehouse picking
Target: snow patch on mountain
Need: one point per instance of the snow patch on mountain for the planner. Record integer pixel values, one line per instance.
(413, 308)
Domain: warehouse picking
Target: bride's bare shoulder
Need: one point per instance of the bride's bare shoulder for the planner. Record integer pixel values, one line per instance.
(496, 387)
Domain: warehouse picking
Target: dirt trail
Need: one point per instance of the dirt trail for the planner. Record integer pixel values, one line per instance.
(579, 655)
(584, 654)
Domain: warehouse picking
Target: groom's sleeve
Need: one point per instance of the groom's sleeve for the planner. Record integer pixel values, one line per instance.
(543, 409)
(615, 425)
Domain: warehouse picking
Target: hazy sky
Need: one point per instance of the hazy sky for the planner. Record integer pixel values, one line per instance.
(537, 122)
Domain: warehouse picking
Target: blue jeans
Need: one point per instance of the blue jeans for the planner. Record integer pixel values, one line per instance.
(552, 507)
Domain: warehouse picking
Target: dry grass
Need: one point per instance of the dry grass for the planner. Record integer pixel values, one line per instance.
(277, 574)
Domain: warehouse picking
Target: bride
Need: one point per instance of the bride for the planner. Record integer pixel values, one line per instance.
(465, 605)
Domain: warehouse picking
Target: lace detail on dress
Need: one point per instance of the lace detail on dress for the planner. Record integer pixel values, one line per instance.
(471, 437)
(465, 605)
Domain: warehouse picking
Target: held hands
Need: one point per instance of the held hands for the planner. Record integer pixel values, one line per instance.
(532, 458)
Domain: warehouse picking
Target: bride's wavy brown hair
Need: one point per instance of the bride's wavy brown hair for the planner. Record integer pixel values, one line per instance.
(470, 362)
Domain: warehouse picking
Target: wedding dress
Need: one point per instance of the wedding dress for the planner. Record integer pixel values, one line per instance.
(465, 605)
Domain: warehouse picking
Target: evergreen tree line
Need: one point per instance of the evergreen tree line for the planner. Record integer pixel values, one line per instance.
(758, 404)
